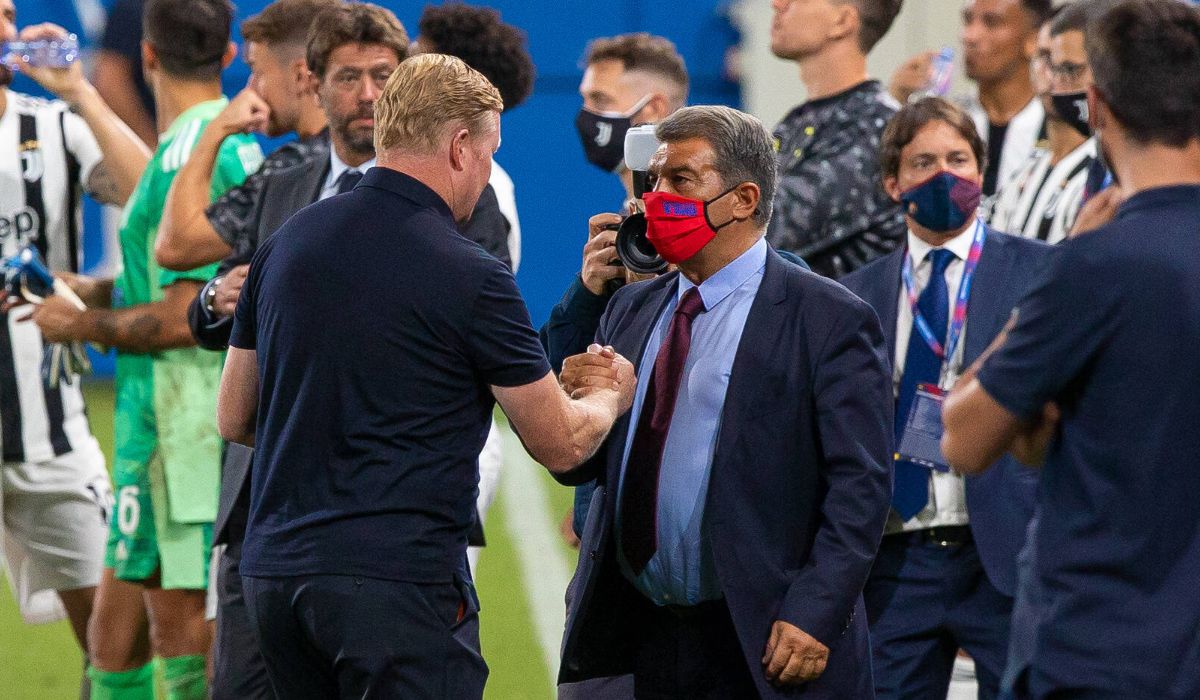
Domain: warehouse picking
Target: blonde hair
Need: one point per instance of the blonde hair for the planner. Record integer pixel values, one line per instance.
(426, 95)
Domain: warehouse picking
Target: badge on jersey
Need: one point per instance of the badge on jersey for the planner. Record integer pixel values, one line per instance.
(921, 442)
(32, 165)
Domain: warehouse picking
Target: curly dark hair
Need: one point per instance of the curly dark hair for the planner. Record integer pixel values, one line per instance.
(478, 37)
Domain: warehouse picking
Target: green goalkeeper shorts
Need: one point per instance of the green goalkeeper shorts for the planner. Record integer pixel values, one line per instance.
(142, 537)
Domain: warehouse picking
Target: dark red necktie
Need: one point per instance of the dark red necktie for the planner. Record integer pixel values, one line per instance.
(639, 495)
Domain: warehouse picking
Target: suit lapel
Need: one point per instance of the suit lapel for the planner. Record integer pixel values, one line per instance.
(767, 314)
(889, 299)
(641, 324)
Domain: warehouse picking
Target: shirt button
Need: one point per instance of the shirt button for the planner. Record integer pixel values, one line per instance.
(667, 597)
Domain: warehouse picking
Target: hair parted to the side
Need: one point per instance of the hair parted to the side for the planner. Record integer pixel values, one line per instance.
(743, 150)
(903, 127)
(352, 23)
(426, 96)
(285, 22)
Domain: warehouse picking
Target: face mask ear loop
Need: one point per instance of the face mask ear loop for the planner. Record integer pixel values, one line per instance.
(706, 204)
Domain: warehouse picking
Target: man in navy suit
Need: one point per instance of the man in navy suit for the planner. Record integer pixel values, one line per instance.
(946, 571)
(741, 500)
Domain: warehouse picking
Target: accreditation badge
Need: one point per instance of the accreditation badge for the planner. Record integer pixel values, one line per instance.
(921, 442)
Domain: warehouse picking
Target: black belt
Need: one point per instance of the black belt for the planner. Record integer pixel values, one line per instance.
(692, 612)
(947, 536)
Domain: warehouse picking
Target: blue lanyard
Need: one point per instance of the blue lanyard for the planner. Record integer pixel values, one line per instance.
(959, 319)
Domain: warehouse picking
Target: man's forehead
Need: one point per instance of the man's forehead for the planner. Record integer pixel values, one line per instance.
(693, 154)
(361, 55)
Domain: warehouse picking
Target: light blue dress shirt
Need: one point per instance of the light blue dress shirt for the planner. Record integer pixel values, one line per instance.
(681, 572)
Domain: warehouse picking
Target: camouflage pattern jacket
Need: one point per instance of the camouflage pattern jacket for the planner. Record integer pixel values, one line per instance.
(830, 208)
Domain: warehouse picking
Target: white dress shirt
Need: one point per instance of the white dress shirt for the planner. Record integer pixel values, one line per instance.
(336, 168)
(947, 494)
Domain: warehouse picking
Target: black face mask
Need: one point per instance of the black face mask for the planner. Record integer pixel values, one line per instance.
(1072, 108)
(603, 135)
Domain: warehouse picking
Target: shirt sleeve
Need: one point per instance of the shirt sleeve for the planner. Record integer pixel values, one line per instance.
(238, 156)
(1062, 323)
(235, 214)
(82, 145)
(245, 316)
(502, 345)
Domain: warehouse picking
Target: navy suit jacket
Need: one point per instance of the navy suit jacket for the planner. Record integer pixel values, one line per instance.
(799, 491)
(1000, 501)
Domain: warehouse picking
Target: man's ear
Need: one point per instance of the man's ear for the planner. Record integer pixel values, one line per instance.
(747, 198)
(459, 144)
(301, 78)
(656, 110)
(847, 23)
(230, 54)
(149, 57)
(891, 185)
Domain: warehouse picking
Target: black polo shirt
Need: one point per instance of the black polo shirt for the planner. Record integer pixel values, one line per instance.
(378, 330)
(1110, 334)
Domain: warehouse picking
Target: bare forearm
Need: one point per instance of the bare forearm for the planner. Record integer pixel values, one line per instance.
(138, 329)
(186, 239)
(573, 435)
(125, 155)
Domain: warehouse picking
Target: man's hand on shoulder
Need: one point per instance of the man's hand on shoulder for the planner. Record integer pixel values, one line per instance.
(793, 656)
(1098, 211)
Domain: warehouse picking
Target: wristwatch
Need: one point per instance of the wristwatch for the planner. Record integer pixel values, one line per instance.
(209, 294)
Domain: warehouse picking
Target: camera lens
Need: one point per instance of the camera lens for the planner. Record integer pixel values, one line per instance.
(634, 248)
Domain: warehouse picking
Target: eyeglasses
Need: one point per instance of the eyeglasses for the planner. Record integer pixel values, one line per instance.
(1068, 71)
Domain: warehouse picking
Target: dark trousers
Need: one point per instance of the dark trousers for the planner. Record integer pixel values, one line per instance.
(927, 597)
(690, 653)
(238, 669)
(358, 637)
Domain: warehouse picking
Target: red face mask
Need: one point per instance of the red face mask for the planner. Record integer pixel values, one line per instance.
(678, 227)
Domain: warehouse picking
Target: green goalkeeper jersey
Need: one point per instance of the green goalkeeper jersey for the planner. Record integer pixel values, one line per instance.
(166, 401)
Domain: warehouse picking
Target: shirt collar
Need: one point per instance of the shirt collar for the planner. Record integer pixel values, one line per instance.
(406, 186)
(714, 289)
(960, 245)
(337, 167)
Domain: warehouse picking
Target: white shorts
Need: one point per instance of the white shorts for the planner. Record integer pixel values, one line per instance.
(53, 528)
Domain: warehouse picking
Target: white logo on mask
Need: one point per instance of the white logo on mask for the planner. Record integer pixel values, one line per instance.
(603, 134)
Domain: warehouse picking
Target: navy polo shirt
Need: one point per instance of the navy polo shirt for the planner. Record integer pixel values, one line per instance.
(379, 330)
(1111, 334)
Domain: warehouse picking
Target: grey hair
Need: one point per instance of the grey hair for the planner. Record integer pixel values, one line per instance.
(744, 150)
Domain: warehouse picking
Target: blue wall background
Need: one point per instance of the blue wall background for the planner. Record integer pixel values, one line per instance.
(557, 190)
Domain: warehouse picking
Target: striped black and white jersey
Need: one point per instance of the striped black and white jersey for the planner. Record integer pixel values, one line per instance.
(46, 154)
(1042, 198)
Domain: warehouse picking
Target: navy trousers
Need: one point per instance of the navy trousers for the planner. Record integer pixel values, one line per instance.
(238, 669)
(925, 600)
(358, 637)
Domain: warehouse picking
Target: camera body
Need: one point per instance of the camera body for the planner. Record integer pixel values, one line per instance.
(633, 248)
